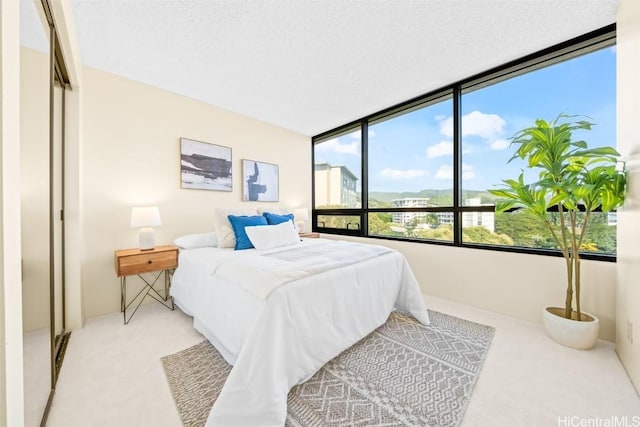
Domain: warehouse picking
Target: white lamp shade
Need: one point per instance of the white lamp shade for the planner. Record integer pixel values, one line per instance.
(147, 216)
(301, 214)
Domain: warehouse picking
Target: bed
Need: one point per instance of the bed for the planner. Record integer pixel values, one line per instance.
(279, 315)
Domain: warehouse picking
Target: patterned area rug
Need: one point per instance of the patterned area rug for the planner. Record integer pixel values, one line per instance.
(402, 374)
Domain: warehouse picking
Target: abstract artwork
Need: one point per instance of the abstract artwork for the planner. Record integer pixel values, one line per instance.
(205, 166)
(260, 181)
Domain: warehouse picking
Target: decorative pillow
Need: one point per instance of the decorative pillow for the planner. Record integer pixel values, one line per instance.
(199, 240)
(272, 236)
(274, 209)
(224, 231)
(238, 223)
(274, 219)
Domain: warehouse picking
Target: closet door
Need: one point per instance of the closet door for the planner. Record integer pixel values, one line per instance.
(34, 164)
(56, 238)
(43, 87)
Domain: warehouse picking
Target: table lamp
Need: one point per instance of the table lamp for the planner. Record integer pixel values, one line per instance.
(301, 216)
(145, 218)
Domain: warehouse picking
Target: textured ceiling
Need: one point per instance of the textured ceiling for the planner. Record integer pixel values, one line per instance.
(312, 65)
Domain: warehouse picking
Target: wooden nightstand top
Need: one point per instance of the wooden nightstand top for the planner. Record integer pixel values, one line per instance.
(135, 261)
(310, 235)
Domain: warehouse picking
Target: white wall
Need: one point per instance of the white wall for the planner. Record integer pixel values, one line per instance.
(628, 308)
(11, 382)
(516, 285)
(131, 156)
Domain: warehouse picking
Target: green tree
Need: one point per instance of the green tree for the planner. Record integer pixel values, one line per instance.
(442, 232)
(480, 234)
(380, 224)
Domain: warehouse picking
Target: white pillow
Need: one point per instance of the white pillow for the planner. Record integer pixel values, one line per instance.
(224, 231)
(199, 240)
(274, 209)
(272, 236)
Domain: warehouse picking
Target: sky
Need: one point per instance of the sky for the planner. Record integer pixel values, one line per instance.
(414, 151)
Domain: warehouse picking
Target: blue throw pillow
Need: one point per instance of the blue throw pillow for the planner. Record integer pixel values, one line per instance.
(238, 223)
(274, 219)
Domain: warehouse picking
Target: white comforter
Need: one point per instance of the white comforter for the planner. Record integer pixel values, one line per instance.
(277, 267)
(304, 323)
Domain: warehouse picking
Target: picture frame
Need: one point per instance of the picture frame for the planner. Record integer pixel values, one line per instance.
(205, 166)
(260, 181)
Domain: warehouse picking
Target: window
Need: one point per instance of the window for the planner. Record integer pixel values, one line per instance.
(337, 167)
(584, 85)
(409, 166)
(427, 164)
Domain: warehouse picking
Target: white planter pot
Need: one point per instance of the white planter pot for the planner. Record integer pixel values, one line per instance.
(581, 335)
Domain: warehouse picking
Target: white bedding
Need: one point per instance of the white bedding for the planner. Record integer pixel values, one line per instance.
(279, 342)
(221, 311)
(279, 266)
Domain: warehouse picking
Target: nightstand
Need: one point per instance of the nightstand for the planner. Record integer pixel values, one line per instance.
(135, 262)
(310, 235)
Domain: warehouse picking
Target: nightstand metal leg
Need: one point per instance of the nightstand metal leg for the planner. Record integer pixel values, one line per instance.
(167, 282)
(123, 284)
(147, 290)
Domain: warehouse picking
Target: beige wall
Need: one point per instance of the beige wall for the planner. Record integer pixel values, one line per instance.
(516, 285)
(34, 128)
(11, 381)
(131, 155)
(628, 309)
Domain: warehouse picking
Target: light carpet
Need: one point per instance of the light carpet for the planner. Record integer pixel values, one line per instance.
(402, 374)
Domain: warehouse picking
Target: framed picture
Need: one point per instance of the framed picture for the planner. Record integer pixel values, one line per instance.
(205, 166)
(259, 181)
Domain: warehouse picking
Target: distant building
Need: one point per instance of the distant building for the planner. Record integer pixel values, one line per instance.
(445, 217)
(478, 219)
(335, 186)
(405, 217)
(469, 219)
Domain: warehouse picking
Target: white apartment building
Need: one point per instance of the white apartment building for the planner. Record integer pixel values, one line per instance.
(475, 219)
(405, 217)
(335, 186)
(469, 219)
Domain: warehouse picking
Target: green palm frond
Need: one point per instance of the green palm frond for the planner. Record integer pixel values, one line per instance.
(571, 177)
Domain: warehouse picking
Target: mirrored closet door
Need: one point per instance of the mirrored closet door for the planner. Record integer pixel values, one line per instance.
(43, 87)
(34, 116)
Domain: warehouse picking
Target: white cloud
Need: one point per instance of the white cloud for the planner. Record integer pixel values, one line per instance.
(446, 172)
(443, 148)
(402, 174)
(467, 172)
(355, 134)
(488, 126)
(339, 147)
(499, 144)
(446, 127)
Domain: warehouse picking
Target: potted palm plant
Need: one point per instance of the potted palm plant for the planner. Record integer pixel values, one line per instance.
(574, 181)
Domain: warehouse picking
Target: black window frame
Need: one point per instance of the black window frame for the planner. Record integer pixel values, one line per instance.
(592, 41)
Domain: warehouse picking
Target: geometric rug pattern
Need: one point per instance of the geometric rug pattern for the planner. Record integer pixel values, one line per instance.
(402, 374)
